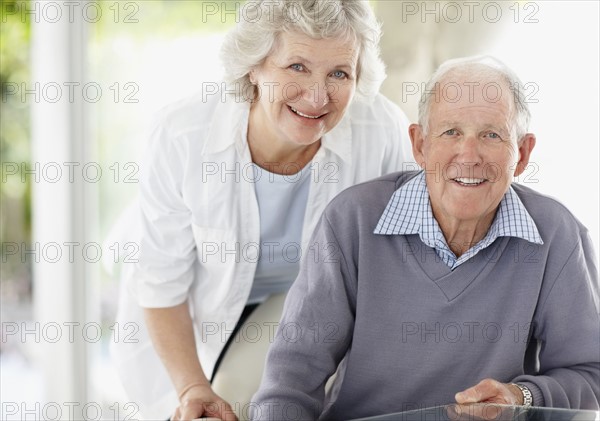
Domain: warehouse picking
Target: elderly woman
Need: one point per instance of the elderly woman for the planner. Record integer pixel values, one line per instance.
(447, 284)
(235, 181)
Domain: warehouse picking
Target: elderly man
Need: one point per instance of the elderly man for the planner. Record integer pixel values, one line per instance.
(447, 284)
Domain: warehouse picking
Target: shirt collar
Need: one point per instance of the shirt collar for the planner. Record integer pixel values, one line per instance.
(404, 211)
(409, 212)
(513, 220)
(230, 126)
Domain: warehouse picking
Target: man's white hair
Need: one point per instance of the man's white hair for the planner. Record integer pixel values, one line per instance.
(478, 66)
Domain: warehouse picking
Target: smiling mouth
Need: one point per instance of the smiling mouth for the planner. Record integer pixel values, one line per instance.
(301, 114)
(469, 182)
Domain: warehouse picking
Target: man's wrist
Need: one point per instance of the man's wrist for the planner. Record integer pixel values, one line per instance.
(526, 396)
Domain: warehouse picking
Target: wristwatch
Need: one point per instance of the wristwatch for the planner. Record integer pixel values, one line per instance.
(527, 397)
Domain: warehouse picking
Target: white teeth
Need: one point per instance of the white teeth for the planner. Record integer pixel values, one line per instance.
(469, 181)
(304, 115)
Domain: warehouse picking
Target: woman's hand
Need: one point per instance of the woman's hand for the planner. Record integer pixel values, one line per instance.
(172, 334)
(202, 401)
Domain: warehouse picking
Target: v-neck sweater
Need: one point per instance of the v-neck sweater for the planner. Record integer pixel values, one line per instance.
(408, 332)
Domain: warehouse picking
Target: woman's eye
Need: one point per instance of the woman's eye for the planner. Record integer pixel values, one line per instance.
(297, 67)
(338, 74)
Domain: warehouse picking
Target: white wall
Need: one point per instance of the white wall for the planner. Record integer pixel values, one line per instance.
(551, 45)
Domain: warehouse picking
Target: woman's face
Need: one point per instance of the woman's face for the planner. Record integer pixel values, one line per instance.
(305, 85)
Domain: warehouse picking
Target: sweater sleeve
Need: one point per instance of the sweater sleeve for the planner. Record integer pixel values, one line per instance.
(313, 336)
(567, 327)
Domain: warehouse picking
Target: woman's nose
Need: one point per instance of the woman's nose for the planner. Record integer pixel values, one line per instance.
(316, 94)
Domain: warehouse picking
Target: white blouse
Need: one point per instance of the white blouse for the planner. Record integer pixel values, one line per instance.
(199, 222)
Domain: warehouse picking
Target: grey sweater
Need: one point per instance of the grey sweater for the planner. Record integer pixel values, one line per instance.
(407, 332)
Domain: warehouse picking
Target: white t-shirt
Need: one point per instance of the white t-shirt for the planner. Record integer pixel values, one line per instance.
(281, 205)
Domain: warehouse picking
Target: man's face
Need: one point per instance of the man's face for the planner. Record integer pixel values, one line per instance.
(470, 152)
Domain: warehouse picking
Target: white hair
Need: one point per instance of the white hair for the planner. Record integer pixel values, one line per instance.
(486, 66)
(254, 37)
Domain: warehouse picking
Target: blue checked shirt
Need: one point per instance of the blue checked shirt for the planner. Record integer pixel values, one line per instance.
(409, 212)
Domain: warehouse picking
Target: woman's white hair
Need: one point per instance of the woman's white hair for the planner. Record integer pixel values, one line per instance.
(260, 22)
(485, 66)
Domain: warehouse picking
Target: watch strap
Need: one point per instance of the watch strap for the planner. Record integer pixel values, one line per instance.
(527, 396)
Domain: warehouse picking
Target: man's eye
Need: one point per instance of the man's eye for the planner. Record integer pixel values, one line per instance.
(297, 67)
(338, 74)
(451, 132)
(493, 136)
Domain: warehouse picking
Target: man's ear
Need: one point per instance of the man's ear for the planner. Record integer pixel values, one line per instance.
(525, 146)
(417, 138)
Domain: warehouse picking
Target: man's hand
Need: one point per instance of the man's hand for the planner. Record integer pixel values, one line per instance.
(201, 401)
(482, 412)
(491, 391)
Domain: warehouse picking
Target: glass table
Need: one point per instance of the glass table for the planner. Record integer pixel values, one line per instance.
(479, 412)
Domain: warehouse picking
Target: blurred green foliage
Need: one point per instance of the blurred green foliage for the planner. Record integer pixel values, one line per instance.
(166, 19)
(138, 22)
(15, 196)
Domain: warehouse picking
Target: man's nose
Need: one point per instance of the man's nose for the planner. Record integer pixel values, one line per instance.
(470, 149)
